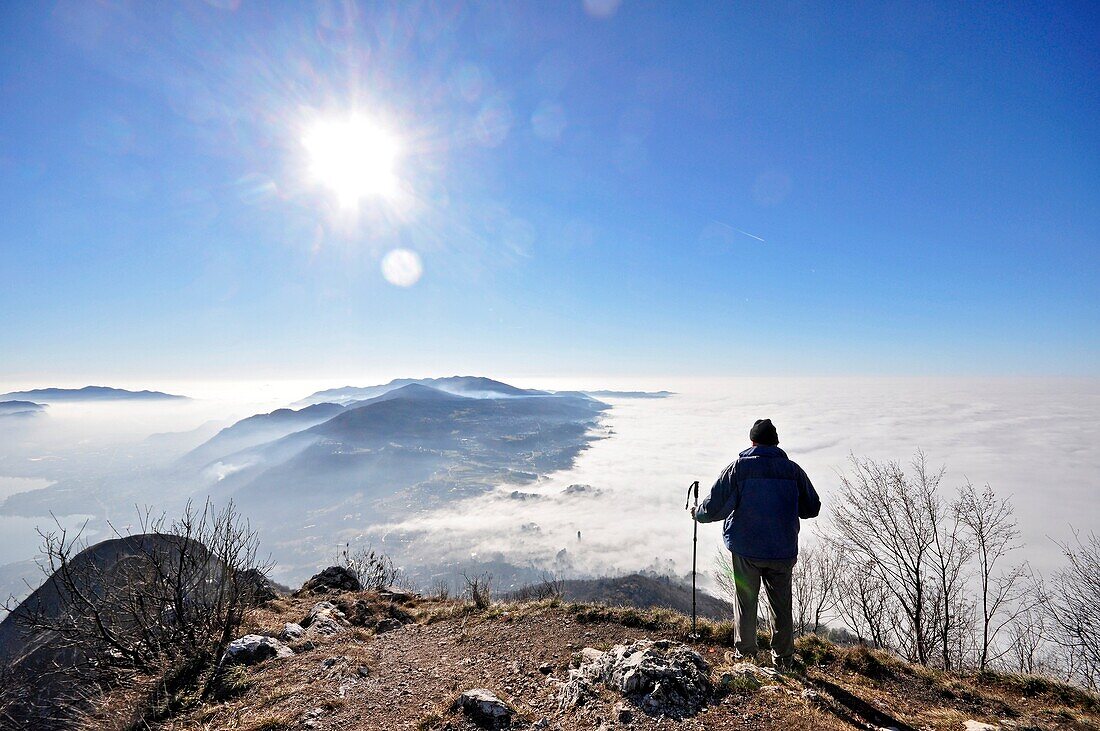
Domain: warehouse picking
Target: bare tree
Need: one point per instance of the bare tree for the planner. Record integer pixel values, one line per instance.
(991, 530)
(1074, 604)
(864, 603)
(1028, 630)
(949, 556)
(440, 589)
(883, 522)
(814, 587)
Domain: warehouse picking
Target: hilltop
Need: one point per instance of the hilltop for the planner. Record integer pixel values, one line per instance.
(153, 651)
(400, 661)
(89, 393)
(472, 386)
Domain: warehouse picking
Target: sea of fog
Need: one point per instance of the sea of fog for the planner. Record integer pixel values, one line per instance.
(1034, 441)
(1031, 439)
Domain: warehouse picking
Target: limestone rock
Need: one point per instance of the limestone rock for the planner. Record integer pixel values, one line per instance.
(484, 708)
(251, 649)
(292, 631)
(661, 678)
(324, 619)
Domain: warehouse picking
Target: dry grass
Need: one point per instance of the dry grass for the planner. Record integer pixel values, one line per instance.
(416, 672)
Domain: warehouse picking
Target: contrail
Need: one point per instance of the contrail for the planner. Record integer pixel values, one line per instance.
(751, 236)
(743, 233)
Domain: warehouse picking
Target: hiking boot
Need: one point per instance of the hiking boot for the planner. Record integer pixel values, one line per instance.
(790, 664)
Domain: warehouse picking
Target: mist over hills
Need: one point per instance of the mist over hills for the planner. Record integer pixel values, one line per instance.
(409, 448)
(20, 408)
(258, 429)
(325, 474)
(90, 393)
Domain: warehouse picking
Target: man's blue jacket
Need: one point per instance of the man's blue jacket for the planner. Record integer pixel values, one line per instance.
(761, 496)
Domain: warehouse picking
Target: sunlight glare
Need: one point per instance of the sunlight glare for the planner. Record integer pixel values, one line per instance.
(353, 157)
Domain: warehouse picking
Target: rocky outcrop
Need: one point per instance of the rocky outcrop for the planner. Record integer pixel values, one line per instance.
(324, 619)
(332, 579)
(662, 678)
(292, 631)
(251, 649)
(484, 708)
(260, 588)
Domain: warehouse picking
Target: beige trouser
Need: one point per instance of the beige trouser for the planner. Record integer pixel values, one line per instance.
(776, 575)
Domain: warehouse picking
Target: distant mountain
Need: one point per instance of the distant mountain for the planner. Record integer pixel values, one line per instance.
(420, 443)
(178, 442)
(414, 392)
(89, 393)
(20, 408)
(645, 592)
(259, 429)
(473, 386)
(630, 394)
(409, 449)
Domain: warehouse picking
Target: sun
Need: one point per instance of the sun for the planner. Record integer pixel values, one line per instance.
(354, 157)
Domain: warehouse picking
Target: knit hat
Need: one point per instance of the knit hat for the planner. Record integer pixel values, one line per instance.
(763, 432)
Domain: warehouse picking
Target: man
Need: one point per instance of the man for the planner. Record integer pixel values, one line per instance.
(761, 498)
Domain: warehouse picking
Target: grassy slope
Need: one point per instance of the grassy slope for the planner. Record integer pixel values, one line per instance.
(407, 678)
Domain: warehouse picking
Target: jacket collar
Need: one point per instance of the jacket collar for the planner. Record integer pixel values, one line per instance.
(763, 450)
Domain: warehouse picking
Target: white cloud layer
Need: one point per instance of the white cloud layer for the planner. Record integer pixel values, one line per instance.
(1034, 440)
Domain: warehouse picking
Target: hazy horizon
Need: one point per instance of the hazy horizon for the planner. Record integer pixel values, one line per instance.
(986, 430)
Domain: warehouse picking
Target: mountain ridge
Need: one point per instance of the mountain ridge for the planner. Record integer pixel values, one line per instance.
(91, 393)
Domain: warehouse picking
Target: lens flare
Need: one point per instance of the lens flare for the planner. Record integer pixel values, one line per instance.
(353, 157)
(402, 268)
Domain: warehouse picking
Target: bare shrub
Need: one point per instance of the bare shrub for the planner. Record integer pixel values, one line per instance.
(440, 590)
(375, 571)
(864, 604)
(479, 588)
(171, 597)
(549, 586)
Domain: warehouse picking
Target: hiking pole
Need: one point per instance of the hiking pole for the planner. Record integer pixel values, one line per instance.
(693, 488)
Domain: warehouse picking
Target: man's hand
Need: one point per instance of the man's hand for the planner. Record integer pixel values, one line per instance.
(693, 512)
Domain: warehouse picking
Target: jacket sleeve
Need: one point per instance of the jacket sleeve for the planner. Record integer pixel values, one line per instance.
(722, 499)
(809, 504)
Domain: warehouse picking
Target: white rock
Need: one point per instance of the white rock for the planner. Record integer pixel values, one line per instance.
(292, 631)
(663, 677)
(324, 619)
(251, 649)
(484, 707)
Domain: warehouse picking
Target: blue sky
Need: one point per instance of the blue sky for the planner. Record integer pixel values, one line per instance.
(654, 189)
